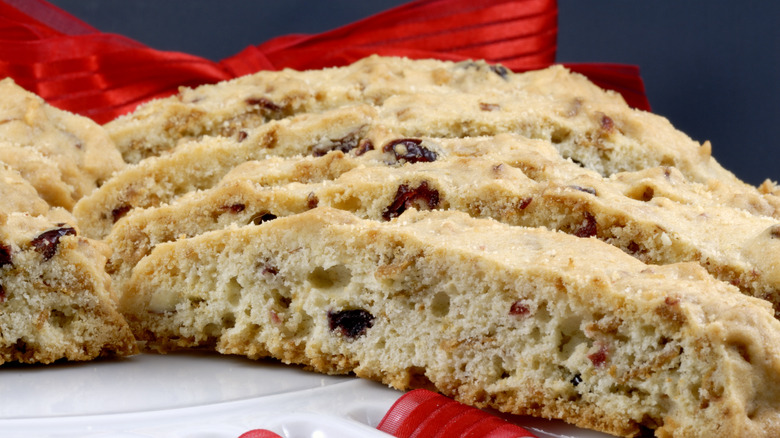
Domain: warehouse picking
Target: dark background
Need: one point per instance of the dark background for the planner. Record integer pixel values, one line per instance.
(711, 68)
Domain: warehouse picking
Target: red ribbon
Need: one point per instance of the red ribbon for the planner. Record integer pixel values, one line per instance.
(425, 414)
(78, 68)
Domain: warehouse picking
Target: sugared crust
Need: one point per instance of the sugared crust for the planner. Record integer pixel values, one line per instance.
(82, 150)
(655, 215)
(510, 318)
(590, 125)
(57, 301)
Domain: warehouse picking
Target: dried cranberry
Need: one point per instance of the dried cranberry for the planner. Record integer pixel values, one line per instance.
(364, 146)
(233, 208)
(410, 150)
(242, 135)
(264, 103)
(120, 211)
(589, 227)
(262, 217)
(406, 197)
(350, 323)
(270, 269)
(489, 106)
(47, 242)
(774, 232)
(519, 309)
(524, 203)
(312, 201)
(607, 124)
(599, 358)
(5, 255)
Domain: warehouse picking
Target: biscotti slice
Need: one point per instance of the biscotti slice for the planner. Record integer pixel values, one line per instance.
(84, 153)
(202, 164)
(527, 321)
(56, 301)
(40, 171)
(519, 187)
(225, 108)
(592, 126)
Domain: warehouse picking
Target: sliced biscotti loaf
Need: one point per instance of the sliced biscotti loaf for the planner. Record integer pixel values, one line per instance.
(592, 126)
(82, 150)
(527, 321)
(225, 108)
(355, 129)
(202, 164)
(56, 301)
(525, 185)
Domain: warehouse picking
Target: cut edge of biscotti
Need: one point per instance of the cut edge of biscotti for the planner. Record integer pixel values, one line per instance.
(656, 215)
(199, 164)
(56, 300)
(527, 321)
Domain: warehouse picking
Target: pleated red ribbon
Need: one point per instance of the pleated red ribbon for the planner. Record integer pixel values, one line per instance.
(100, 75)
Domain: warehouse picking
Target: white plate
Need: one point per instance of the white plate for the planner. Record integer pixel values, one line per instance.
(199, 396)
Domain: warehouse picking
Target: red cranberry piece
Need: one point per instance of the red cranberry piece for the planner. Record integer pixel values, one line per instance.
(233, 208)
(351, 323)
(312, 201)
(242, 135)
(589, 228)
(263, 103)
(410, 150)
(47, 242)
(519, 309)
(406, 197)
(270, 269)
(607, 124)
(599, 358)
(364, 146)
(774, 232)
(5, 255)
(120, 212)
(524, 203)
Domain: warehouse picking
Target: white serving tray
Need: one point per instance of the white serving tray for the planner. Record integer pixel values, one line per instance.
(199, 396)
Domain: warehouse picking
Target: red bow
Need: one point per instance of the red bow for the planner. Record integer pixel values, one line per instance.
(78, 68)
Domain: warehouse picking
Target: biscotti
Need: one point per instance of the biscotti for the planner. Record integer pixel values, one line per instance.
(656, 214)
(82, 150)
(40, 171)
(355, 129)
(528, 321)
(592, 126)
(56, 300)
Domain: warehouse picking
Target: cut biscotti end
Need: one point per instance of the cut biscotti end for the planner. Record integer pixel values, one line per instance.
(523, 320)
(201, 164)
(227, 107)
(56, 301)
(84, 153)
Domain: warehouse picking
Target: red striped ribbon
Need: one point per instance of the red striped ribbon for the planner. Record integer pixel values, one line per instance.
(78, 68)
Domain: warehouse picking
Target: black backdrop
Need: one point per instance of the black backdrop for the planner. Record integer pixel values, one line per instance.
(712, 68)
